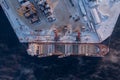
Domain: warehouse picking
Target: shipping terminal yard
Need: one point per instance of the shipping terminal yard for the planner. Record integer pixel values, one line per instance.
(63, 27)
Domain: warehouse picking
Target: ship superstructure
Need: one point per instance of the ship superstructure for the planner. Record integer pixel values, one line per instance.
(63, 27)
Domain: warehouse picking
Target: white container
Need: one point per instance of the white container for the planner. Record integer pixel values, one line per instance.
(82, 8)
(95, 16)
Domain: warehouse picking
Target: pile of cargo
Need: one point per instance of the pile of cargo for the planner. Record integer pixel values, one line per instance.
(46, 10)
(28, 10)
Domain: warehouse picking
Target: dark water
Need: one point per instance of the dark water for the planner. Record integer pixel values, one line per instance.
(15, 64)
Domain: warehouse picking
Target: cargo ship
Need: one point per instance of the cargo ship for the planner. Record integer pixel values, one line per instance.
(63, 27)
(67, 49)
